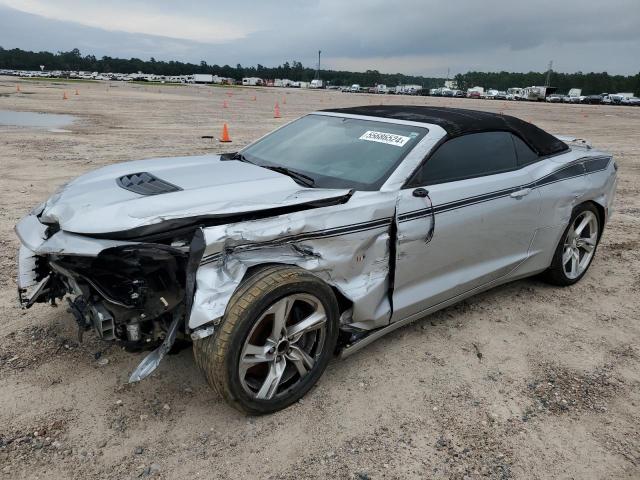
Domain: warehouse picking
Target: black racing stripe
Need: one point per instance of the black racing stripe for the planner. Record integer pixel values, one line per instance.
(578, 168)
(211, 258)
(277, 243)
(318, 234)
(482, 196)
(571, 171)
(445, 207)
(596, 164)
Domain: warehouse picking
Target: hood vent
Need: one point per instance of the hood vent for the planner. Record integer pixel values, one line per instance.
(145, 183)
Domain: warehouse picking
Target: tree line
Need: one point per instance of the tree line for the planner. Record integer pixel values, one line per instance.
(73, 60)
(590, 83)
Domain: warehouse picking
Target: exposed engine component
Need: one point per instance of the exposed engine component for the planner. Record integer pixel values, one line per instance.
(102, 321)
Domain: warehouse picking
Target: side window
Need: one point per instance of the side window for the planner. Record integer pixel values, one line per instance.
(469, 156)
(526, 156)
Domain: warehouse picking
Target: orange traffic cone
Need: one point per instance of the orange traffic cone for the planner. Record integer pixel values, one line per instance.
(77, 92)
(276, 111)
(225, 134)
(254, 98)
(224, 104)
(229, 94)
(64, 96)
(17, 88)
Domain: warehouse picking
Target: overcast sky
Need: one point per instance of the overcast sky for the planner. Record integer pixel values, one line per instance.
(414, 37)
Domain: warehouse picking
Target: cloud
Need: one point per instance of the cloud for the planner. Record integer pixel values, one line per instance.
(418, 36)
(131, 18)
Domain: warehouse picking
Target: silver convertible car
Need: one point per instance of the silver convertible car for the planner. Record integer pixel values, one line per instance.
(316, 239)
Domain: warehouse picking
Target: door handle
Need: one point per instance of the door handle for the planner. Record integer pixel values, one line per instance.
(520, 193)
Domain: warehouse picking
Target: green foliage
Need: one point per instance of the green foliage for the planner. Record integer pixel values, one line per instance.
(590, 83)
(18, 59)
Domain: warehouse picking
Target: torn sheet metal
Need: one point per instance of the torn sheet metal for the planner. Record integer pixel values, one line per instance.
(346, 245)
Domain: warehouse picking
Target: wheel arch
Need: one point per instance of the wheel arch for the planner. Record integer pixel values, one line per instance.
(601, 211)
(344, 303)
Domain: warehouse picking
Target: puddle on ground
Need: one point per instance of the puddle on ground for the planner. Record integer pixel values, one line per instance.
(51, 121)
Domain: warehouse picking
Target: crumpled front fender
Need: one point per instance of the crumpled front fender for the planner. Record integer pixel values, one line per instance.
(352, 256)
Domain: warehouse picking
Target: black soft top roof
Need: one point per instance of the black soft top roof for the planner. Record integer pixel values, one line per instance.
(460, 121)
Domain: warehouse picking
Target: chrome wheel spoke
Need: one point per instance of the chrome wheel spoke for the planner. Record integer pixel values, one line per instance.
(270, 385)
(588, 244)
(314, 321)
(301, 360)
(280, 310)
(575, 261)
(585, 221)
(567, 255)
(253, 354)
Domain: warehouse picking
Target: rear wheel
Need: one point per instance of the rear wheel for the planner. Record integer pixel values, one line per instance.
(277, 336)
(577, 247)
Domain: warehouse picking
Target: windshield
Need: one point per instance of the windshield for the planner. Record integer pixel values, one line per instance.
(337, 152)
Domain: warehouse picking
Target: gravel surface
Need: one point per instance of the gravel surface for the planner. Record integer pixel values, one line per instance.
(525, 381)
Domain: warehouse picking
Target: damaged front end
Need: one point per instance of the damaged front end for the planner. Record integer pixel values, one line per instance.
(144, 267)
(125, 293)
(129, 292)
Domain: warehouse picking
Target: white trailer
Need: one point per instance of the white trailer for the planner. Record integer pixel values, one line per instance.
(538, 94)
(251, 81)
(408, 89)
(283, 82)
(201, 78)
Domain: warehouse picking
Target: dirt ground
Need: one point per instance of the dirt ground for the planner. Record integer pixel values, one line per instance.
(524, 381)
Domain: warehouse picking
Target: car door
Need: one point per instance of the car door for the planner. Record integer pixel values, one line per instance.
(466, 218)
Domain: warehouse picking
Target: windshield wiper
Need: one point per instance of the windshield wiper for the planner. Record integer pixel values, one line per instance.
(301, 178)
(240, 157)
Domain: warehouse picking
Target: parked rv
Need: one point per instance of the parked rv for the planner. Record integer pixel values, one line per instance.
(252, 82)
(538, 94)
(515, 93)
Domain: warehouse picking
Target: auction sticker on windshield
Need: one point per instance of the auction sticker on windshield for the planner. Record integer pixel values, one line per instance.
(382, 137)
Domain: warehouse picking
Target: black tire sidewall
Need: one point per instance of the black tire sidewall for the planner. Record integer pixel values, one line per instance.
(304, 284)
(557, 260)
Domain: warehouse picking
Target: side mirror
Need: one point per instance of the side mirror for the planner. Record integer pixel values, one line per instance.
(420, 193)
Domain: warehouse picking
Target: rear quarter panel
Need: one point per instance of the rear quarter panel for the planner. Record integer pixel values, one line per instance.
(565, 181)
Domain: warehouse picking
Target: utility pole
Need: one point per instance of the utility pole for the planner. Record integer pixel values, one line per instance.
(547, 82)
(318, 70)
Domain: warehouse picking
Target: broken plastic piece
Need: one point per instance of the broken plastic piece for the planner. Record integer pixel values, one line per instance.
(151, 361)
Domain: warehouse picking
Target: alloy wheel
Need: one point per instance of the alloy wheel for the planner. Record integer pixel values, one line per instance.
(283, 346)
(580, 244)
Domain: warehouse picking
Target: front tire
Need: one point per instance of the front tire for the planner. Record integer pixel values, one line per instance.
(576, 248)
(276, 338)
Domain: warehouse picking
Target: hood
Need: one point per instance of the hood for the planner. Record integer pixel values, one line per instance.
(182, 190)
